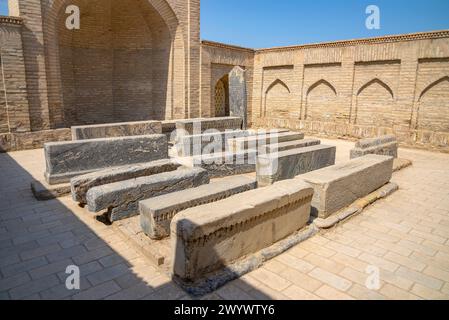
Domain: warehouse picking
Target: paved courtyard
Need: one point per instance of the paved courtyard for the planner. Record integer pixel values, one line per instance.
(406, 236)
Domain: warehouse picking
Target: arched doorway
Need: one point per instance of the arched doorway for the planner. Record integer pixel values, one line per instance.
(222, 97)
(116, 67)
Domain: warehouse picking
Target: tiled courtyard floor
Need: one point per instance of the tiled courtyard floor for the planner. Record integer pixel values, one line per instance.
(406, 236)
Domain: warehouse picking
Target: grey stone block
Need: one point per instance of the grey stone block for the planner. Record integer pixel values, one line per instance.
(81, 184)
(212, 236)
(384, 145)
(284, 165)
(223, 164)
(65, 160)
(122, 198)
(157, 213)
(258, 141)
(111, 130)
(43, 191)
(207, 143)
(285, 146)
(169, 129)
(238, 106)
(201, 125)
(340, 185)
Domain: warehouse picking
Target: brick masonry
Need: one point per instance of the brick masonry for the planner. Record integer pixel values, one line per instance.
(130, 63)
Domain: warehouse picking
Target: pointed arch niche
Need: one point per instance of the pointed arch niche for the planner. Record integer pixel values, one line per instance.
(374, 104)
(277, 99)
(433, 106)
(321, 102)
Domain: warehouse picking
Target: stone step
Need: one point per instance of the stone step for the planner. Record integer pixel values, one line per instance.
(156, 213)
(285, 146)
(121, 199)
(81, 184)
(284, 165)
(338, 186)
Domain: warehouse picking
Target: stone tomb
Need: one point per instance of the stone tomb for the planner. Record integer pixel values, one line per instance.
(65, 160)
(385, 145)
(156, 213)
(212, 236)
(258, 141)
(111, 130)
(285, 146)
(223, 164)
(340, 185)
(207, 142)
(201, 125)
(216, 142)
(121, 199)
(284, 165)
(81, 184)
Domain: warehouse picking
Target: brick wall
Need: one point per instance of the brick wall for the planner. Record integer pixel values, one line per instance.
(142, 59)
(397, 84)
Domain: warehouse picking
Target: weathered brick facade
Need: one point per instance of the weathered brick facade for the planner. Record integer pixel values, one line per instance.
(142, 59)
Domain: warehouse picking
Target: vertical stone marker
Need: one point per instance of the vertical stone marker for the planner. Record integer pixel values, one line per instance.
(238, 106)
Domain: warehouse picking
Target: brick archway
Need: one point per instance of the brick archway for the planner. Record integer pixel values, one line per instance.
(146, 46)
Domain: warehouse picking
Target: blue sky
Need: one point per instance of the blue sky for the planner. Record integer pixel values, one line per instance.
(267, 23)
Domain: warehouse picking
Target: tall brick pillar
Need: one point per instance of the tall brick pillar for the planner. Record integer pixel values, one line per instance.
(193, 63)
(14, 111)
(34, 56)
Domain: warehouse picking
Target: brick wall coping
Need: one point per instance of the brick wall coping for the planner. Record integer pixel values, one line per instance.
(343, 43)
(225, 46)
(11, 20)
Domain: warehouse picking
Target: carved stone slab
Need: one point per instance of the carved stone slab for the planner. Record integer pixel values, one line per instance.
(157, 213)
(209, 237)
(121, 199)
(385, 145)
(111, 130)
(284, 165)
(65, 160)
(255, 142)
(81, 184)
(338, 186)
